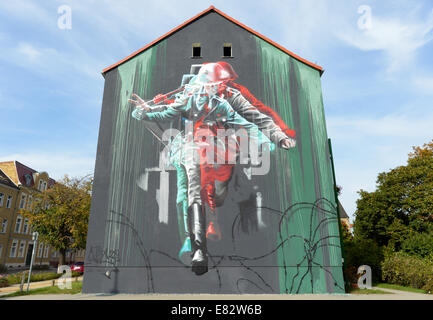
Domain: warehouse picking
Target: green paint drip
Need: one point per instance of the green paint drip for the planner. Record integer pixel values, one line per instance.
(294, 91)
(130, 141)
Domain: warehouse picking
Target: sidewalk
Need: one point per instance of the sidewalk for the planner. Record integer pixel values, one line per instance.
(410, 295)
(33, 285)
(397, 295)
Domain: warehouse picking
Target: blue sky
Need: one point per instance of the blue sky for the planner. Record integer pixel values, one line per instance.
(377, 85)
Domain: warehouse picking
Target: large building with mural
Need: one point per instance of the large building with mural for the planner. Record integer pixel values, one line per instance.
(213, 171)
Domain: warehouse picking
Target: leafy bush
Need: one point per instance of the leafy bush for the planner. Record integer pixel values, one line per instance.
(44, 276)
(41, 267)
(428, 287)
(405, 270)
(4, 282)
(3, 268)
(418, 244)
(14, 278)
(360, 252)
(351, 276)
(17, 277)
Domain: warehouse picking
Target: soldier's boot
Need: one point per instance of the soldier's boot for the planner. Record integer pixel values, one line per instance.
(199, 261)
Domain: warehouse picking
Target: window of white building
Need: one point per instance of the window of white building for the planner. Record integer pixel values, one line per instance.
(4, 226)
(41, 248)
(13, 252)
(21, 249)
(18, 224)
(26, 225)
(9, 202)
(29, 202)
(47, 247)
(23, 200)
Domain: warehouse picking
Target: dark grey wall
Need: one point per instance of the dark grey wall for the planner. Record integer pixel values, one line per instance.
(233, 268)
(211, 31)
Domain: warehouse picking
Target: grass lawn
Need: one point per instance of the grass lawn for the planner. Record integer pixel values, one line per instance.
(368, 291)
(397, 287)
(76, 288)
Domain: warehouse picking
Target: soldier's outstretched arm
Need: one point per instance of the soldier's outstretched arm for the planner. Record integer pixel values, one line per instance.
(264, 122)
(260, 107)
(161, 113)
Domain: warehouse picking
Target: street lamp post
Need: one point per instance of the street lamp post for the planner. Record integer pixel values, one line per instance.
(35, 240)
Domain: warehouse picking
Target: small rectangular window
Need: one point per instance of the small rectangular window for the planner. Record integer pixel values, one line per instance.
(26, 225)
(196, 50)
(18, 224)
(227, 50)
(47, 247)
(23, 200)
(29, 203)
(21, 249)
(8, 202)
(41, 247)
(4, 225)
(13, 252)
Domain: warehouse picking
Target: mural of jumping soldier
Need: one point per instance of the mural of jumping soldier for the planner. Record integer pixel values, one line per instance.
(211, 101)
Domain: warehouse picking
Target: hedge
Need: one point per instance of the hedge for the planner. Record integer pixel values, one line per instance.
(406, 270)
(17, 277)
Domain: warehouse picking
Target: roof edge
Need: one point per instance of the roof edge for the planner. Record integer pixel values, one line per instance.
(212, 8)
(13, 182)
(159, 39)
(16, 161)
(313, 65)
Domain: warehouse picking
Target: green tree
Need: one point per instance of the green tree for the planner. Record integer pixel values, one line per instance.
(358, 252)
(418, 244)
(402, 203)
(60, 214)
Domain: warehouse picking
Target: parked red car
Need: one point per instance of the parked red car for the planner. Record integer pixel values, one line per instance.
(78, 266)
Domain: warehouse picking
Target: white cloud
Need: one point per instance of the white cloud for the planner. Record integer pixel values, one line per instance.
(51, 62)
(29, 12)
(397, 125)
(399, 39)
(423, 84)
(28, 51)
(305, 26)
(28, 54)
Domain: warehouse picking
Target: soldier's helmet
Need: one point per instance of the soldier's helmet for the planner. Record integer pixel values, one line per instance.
(215, 72)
